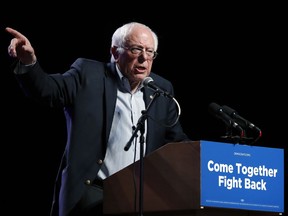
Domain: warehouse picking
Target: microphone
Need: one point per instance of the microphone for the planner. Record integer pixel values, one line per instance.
(218, 112)
(243, 122)
(149, 82)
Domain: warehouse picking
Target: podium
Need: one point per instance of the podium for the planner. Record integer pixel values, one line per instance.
(171, 186)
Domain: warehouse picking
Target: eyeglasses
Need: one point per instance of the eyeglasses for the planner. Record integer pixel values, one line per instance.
(139, 51)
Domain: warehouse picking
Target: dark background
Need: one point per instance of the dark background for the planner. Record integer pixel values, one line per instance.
(229, 54)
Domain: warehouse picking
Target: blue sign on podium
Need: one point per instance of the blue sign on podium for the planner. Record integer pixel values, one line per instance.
(242, 177)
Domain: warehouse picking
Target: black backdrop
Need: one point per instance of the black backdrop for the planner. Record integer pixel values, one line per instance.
(228, 54)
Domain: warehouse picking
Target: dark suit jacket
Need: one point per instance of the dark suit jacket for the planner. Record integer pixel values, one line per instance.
(87, 92)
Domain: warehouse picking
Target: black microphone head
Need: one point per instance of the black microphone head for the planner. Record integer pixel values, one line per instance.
(244, 123)
(147, 80)
(229, 111)
(218, 112)
(233, 114)
(214, 108)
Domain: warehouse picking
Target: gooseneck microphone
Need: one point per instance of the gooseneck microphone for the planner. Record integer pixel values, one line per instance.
(149, 82)
(217, 111)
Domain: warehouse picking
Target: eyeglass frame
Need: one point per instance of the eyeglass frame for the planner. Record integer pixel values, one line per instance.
(139, 51)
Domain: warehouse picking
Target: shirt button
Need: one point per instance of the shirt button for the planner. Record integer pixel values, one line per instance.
(100, 161)
(88, 182)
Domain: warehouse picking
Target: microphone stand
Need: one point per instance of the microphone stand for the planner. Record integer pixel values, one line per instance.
(229, 137)
(141, 127)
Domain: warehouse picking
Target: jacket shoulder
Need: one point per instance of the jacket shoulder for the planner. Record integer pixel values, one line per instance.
(88, 62)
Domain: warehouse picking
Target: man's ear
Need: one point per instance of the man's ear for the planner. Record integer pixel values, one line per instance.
(115, 52)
